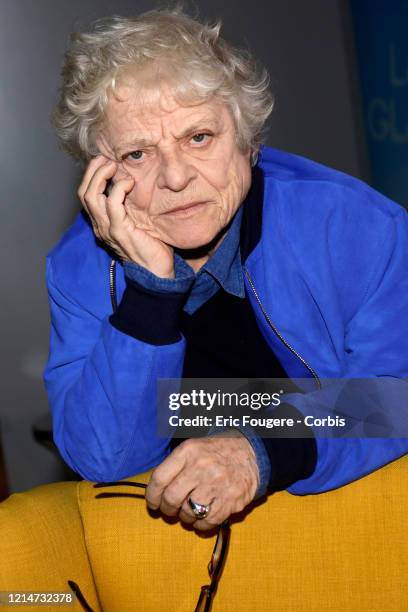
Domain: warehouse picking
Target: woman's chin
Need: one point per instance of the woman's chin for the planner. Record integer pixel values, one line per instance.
(194, 239)
(189, 245)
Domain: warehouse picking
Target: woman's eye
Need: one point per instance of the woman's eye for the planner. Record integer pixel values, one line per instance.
(198, 138)
(137, 155)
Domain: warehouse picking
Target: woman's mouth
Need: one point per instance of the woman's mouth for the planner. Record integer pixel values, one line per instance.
(186, 210)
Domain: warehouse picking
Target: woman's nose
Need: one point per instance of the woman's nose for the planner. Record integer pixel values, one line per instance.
(175, 171)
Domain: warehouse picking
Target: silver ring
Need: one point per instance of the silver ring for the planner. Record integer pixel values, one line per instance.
(200, 510)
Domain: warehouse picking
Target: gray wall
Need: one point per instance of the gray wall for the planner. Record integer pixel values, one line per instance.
(302, 43)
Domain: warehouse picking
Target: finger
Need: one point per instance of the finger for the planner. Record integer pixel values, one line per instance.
(186, 513)
(114, 206)
(201, 496)
(168, 509)
(207, 524)
(162, 477)
(97, 184)
(95, 200)
(218, 512)
(185, 517)
(177, 492)
(91, 168)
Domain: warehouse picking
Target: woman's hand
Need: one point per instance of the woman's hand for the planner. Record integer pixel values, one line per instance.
(121, 228)
(218, 471)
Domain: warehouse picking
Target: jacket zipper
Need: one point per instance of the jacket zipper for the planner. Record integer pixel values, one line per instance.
(112, 285)
(278, 334)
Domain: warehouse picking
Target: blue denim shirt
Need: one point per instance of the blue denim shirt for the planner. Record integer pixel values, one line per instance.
(222, 270)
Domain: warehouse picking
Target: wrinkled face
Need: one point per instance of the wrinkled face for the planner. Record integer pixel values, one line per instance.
(190, 176)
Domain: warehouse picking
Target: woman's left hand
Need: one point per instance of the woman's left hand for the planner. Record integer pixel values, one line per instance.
(219, 471)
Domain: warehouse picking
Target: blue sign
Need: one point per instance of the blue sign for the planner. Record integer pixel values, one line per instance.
(381, 31)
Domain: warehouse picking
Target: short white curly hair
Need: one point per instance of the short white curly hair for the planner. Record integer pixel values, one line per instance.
(170, 48)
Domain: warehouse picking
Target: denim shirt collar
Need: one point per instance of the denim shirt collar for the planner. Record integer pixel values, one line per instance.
(225, 265)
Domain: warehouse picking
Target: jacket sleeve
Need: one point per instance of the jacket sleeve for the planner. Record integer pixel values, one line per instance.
(376, 346)
(101, 384)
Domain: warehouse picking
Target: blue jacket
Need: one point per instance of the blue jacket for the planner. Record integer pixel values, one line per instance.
(326, 271)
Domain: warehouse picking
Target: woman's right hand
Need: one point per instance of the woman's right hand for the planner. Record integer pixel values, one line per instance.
(122, 229)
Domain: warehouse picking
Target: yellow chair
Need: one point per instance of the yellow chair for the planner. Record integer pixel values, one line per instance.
(346, 550)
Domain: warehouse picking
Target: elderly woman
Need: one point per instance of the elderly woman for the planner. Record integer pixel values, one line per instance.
(225, 259)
